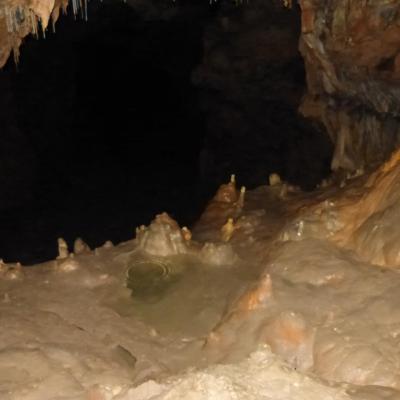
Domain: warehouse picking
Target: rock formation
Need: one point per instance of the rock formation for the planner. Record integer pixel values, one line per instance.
(19, 18)
(352, 60)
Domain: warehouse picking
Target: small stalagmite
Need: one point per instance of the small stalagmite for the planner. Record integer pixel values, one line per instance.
(187, 235)
(227, 193)
(108, 244)
(240, 202)
(62, 249)
(14, 272)
(80, 247)
(274, 179)
(284, 191)
(227, 230)
(3, 266)
(68, 264)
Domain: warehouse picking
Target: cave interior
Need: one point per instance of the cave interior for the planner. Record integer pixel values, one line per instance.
(199, 200)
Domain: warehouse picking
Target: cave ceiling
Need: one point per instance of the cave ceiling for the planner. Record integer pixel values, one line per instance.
(351, 51)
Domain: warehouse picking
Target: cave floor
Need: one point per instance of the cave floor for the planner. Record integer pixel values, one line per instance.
(270, 297)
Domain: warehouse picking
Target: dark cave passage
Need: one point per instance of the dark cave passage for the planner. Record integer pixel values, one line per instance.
(109, 122)
(105, 128)
(252, 79)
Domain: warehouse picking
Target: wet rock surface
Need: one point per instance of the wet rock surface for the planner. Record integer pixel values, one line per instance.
(351, 53)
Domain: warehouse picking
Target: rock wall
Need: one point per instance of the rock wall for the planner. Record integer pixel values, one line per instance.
(352, 66)
(352, 57)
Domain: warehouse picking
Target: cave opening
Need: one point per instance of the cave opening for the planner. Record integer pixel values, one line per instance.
(112, 121)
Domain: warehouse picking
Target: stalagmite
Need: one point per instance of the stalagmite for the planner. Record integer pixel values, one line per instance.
(284, 191)
(187, 235)
(108, 244)
(163, 237)
(67, 264)
(3, 266)
(274, 179)
(218, 254)
(80, 247)
(62, 248)
(14, 272)
(227, 193)
(240, 202)
(227, 230)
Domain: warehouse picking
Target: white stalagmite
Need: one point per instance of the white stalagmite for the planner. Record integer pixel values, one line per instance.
(240, 202)
(284, 191)
(227, 230)
(67, 264)
(108, 244)
(14, 272)
(274, 179)
(62, 248)
(163, 237)
(80, 247)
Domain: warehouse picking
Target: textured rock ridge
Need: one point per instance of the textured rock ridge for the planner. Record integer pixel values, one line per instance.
(351, 52)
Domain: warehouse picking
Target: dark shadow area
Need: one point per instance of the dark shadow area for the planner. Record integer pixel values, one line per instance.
(252, 80)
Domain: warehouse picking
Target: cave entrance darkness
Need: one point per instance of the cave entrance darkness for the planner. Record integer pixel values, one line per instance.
(104, 128)
(108, 127)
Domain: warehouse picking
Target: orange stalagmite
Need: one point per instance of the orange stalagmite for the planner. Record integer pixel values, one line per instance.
(223, 205)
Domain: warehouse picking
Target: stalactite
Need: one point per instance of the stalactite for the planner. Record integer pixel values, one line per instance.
(74, 6)
(16, 55)
(34, 24)
(80, 6)
(23, 19)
